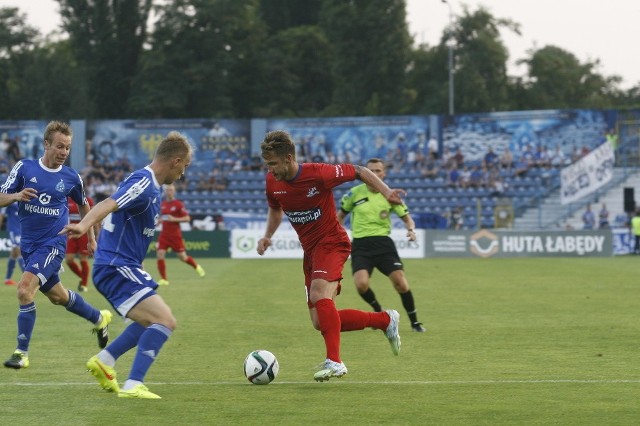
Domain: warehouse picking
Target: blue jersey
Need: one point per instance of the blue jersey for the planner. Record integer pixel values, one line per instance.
(42, 218)
(126, 233)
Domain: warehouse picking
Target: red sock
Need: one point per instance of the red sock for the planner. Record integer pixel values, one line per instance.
(75, 268)
(162, 268)
(353, 319)
(329, 320)
(84, 265)
(191, 262)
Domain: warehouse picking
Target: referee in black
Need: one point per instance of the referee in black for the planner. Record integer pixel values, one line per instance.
(372, 247)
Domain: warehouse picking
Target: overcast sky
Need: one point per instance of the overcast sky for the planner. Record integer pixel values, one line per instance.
(606, 30)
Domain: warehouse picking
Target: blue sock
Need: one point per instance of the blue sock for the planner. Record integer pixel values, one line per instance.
(148, 348)
(26, 322)
(11, 264)
(78, 306)
(128, 339)
(21, 263)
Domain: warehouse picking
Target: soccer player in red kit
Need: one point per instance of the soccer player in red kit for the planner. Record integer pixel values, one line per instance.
(303, 191)
(77, 247)
(173, 212)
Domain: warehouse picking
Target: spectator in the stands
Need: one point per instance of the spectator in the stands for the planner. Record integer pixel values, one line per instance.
(588, 218)
(432, 146)
(447, 157)
(465, 177)
(397, 159)
(612, 137)
(490, 158)
(558, 158)
(216, 181)
(453, 177)
(498, 187)
(520, 167)
(458, 157)
(527, 157)
(431, 168)
(455, 219)
(506, 159)
(541, 156)
(13, 150)
(603, 217)
(477, 178)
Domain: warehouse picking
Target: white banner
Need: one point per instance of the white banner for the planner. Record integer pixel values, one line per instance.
(287, 246)
(587, 174)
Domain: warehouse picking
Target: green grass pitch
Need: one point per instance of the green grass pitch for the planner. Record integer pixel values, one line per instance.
(509, 341)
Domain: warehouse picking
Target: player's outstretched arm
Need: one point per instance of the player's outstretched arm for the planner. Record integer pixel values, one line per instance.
(274, 218)
(95, 215)
(394, 196)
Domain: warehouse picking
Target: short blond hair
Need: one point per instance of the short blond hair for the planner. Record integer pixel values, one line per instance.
(174, 145)
(57, 127)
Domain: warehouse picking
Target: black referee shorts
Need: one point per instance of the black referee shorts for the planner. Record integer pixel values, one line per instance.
(375, 252)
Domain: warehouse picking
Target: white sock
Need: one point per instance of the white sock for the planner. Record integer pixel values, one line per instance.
(130, 384)
(106, 358)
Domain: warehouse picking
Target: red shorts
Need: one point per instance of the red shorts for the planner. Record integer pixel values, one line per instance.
(78, 245)
(325, 261)
(174, 243)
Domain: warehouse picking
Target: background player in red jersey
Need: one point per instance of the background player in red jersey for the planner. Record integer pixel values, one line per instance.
(303, 191)
(77, 247)
(173, 212)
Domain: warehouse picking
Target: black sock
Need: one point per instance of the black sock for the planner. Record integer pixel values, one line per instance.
(370, 298)
(409, 306)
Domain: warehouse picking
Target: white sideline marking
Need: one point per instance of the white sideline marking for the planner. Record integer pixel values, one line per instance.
(346, 382)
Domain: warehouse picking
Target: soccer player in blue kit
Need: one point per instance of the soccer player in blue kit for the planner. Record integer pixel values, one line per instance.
(12, 221)
(41, 188)
(129, 218)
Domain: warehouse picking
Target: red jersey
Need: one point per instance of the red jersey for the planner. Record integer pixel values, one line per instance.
(74, 212)
(174, 208)
(308, 202)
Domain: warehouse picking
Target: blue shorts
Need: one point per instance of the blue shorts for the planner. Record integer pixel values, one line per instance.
(123, 286)
(44, 262)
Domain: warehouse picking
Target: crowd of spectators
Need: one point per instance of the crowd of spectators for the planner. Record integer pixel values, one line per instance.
(10, 153)
(100, 177)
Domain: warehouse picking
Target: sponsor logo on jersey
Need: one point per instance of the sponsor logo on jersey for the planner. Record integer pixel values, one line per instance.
(44, 198)
(313, 191)
(31, 208)
(303, 217)
(33, 179)
(149, 232)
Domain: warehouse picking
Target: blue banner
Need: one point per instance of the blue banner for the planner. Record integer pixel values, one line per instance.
(356, 139)
(217, 143)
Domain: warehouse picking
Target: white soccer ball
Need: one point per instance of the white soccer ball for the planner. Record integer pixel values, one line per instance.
(261, 367)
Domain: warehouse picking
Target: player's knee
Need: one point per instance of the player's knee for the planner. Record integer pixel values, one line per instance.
(362, 287)
(171, 322)
(25, 293)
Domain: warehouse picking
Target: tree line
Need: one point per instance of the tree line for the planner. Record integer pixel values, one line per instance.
(277, 58)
